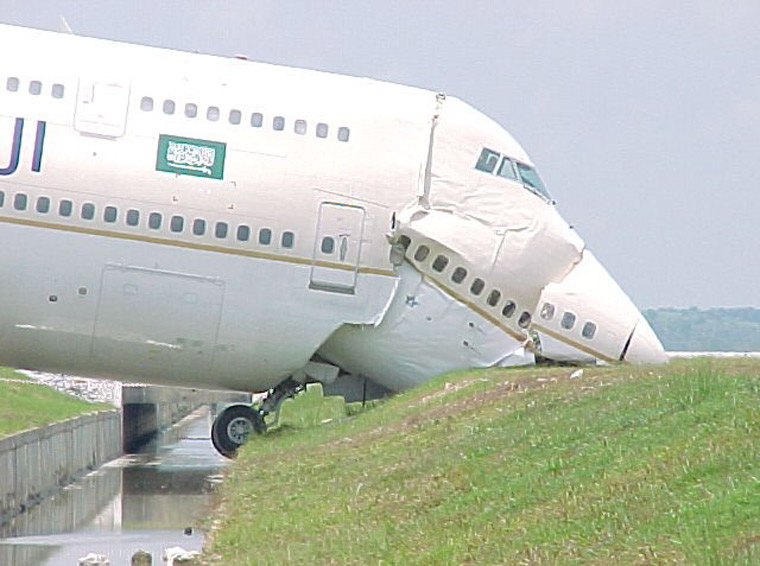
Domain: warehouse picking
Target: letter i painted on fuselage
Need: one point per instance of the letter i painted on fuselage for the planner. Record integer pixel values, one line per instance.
(39, 145)
(18, 132)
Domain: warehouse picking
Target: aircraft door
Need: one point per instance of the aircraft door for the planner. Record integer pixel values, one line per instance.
(102, 107)
(337, 247)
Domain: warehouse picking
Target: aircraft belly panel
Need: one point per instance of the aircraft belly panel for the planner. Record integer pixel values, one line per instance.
(152, 320)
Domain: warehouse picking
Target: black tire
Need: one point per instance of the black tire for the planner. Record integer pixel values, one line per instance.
(232, 427)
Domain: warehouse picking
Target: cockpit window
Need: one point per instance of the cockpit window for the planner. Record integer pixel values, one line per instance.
(507, 169)
(513, 170)
(487, 160)
(531, 179)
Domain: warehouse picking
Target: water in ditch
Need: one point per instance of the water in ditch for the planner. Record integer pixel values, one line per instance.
(150, 501)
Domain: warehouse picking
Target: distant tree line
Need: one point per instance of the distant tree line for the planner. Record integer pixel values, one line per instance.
(714, 330)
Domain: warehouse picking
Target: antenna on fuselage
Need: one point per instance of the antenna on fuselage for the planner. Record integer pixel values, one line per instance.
(65, 27)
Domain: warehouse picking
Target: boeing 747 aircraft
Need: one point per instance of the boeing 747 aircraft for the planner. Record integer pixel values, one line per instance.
(207, 222)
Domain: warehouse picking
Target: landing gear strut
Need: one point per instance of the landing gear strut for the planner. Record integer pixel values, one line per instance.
(236, 422)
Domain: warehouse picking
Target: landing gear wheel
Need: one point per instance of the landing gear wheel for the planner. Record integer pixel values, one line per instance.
(232, 427)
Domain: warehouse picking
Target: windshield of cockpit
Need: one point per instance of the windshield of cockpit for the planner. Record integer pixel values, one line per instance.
(499, 165)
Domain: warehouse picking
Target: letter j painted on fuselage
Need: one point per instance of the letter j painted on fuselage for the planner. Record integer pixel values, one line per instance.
(16, 140)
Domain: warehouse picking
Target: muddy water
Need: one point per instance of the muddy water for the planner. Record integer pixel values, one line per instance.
(143, 501)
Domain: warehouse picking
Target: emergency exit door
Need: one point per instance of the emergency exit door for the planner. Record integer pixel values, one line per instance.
(337, 247)
(101, 107)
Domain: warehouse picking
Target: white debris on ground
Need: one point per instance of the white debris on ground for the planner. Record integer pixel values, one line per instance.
(176, 555)
(93, 559)
(93, 390)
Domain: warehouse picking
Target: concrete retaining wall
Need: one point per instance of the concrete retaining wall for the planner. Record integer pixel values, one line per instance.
(37, 462)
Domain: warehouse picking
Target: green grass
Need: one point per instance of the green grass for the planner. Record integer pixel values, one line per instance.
(29, 405)
(620, 466)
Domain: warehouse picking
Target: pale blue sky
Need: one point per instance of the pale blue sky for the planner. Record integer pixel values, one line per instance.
(642, 116)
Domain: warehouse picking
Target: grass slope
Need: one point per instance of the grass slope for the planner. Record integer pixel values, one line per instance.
(29, 405)
(619, 466)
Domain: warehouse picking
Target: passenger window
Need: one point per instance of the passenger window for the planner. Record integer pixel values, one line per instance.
(133, 217)
(169, 107)
(57, 91)
(88, 211)
(146, 104)
(243, 233)
(547, 311)
(43, 205)
(288, 239)
(524, 320)
(154, 220)
(328, 245)
(191, 110)
(2, 198)
(265, 236)
(300, 127)
(177, 223)
(212, 113)
(509, 309)
(278, 123)
(568, 320)
(257, 120)
(343, 134)
(235, 117)
(65, 207)
(35, 88)
(507, 170)
(20, 201)
(589, 330)
(487, 160)
(199, 226)
(322, 130)
(422, 253)
(493, 298)
(477, 286)
(109, 214)
(440, 263)
(459, 275)
(221, 230)
(12, 84)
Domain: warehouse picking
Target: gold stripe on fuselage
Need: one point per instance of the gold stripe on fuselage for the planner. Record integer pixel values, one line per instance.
(582, 347)
(191, 245)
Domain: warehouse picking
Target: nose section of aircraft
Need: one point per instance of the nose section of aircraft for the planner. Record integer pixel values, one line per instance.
(588, 311)
(644, 347)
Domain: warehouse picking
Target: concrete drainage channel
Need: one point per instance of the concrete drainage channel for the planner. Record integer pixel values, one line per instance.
(146, 501)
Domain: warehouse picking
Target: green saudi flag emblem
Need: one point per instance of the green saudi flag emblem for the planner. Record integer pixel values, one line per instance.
(188, 156)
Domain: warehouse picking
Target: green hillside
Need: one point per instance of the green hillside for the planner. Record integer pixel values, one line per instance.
(707, 330)
(622, 465)
(27, 404)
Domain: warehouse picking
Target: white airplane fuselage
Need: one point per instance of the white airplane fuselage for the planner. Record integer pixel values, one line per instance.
(198, 221)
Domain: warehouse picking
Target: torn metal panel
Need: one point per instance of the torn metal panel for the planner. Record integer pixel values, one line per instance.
(424, 333)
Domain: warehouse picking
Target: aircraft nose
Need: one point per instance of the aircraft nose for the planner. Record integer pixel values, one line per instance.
(644, 347)
(588, 311)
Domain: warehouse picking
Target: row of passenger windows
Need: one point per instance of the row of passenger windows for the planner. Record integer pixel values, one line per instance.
(568, 320)
(155, 220)
(493, 162)
(477, 285)
(35, 88)
(509, 307)
(235, 117)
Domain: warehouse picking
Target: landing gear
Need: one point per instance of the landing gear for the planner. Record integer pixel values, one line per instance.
(233, 426)
(236, 422)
